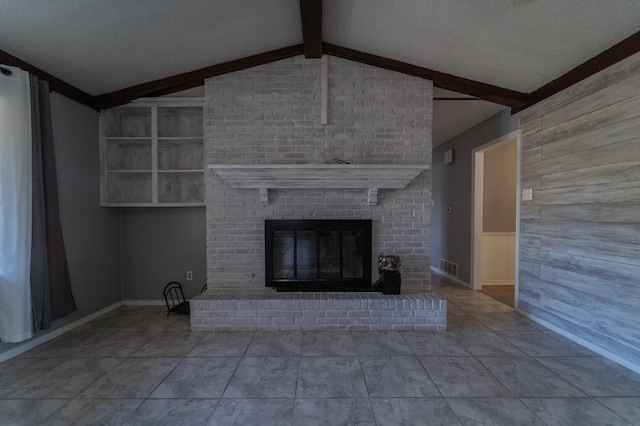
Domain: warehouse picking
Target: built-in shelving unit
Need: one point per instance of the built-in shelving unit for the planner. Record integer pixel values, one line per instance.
(152, 153)
(371, 177)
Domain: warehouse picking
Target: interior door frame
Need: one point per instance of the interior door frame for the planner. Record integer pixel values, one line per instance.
(477, 195)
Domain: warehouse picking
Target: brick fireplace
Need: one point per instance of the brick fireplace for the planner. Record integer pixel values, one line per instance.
(271, 115)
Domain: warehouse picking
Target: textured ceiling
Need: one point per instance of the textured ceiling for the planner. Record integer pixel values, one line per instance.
(101, 46)
(515, 44)
(450, 117)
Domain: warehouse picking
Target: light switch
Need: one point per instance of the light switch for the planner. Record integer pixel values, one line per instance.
(527, 194)
(448, 156)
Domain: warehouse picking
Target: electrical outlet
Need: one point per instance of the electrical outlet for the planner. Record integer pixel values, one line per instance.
(189, 275)
(527, 194)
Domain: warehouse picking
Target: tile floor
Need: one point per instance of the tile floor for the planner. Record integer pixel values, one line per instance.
(135, 366)
(502, 293)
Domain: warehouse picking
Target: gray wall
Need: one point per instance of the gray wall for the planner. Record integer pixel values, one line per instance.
(500, 186)
(580, 235)
(117, 254)
(158, 246)
(91, 233)
(451, 232)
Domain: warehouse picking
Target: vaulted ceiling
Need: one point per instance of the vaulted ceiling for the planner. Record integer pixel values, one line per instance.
(512, 52)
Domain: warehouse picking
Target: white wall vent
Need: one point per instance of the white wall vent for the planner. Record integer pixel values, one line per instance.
(449, 267)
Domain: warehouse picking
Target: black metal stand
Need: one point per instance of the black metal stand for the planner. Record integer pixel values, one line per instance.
(174, 298)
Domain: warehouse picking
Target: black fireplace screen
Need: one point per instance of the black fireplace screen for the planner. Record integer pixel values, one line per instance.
(318, 255)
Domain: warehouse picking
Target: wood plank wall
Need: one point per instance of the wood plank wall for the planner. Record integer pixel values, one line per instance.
(580, 235)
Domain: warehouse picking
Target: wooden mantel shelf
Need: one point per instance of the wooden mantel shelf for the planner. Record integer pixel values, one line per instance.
(371, 177)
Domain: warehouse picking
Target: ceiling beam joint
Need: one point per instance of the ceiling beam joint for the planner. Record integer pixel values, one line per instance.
(191, 79)
(484, 91)
(55, 84)
(611, 56)
(311, 16)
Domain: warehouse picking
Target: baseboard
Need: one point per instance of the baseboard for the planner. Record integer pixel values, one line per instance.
(498, 282)
(449, 276)
(143, 303)
(11, 353)
(595, 348)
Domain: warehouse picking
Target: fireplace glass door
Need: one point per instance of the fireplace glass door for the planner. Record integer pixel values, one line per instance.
(318, 255)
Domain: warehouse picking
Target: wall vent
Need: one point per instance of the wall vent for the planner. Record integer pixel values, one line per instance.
(449, 267)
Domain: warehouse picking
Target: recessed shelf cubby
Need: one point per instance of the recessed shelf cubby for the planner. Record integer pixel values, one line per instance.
(180, 154)
(152, 153)
(180, 122)
(128, 122)
(128, 154)
(130, 187)
(180, 187)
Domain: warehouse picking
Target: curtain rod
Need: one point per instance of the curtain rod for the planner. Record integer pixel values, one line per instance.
(6, 71)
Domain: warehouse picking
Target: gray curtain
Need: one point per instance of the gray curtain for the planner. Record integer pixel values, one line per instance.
(51, 295)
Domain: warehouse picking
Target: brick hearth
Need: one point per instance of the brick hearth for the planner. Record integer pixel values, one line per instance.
(318, 311)
(271, 115)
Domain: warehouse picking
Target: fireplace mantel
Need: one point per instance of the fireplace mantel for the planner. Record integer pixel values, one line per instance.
(371, 177)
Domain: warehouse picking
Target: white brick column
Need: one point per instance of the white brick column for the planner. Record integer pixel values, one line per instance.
(271, 115)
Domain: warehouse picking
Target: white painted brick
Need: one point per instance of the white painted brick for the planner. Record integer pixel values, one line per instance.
(357, 327)
(402, 327)
(314, 328)
(380, 313)
(277, 116)
(425, 327)
(244, 328)
(379, 327)
(272, 319)
(414, 321)
(269, 314)
(348, 321)
(236, 321)
(402, 314)
(246, 313)
(326, 321)
(220, 313)
(358, 313)
(426, 313)
(370, 321)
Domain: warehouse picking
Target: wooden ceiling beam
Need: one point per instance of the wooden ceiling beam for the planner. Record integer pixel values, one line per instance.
(613, 55)
(193, 78)
(55, 84)
(311, 16)
(311, 10)
(442, 80)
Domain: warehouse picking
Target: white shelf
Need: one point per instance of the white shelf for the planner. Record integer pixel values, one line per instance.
(152, 153)
(137, 171)
(371, 177)
(180, 171)
(130, 139)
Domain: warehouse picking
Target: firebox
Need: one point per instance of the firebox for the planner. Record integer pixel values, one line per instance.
(318, 255)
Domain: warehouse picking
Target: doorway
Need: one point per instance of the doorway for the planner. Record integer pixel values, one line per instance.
(495, 223)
